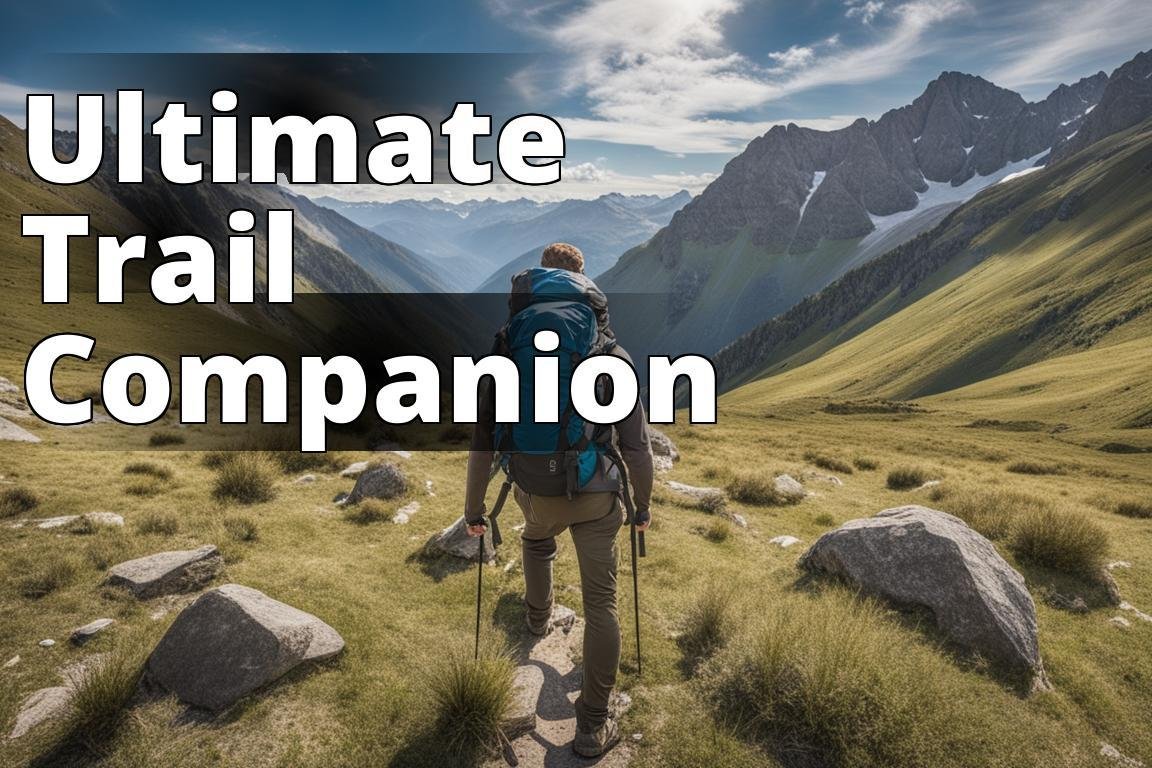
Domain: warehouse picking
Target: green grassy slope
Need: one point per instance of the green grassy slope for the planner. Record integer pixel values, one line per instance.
(1016, 295)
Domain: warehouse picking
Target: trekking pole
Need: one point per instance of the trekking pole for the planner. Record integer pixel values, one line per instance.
(496, 541)
(636, 539)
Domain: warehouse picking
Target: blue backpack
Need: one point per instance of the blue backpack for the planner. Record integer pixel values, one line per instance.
(553, 459)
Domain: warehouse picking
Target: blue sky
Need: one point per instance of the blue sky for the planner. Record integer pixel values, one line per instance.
(653, 94)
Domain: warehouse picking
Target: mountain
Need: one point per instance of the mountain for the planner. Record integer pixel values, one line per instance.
(1044, 281)
(801, 207)
(602, 229)
(478, 241)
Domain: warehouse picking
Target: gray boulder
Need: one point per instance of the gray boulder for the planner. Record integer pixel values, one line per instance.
(40, 707)
(662, 445)
(167, 573)
(918, 556)
(789, 487)
(455, 541)
(234, 640)
(386, 481)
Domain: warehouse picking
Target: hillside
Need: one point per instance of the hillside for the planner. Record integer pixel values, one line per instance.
(799, 207)
(1053, 263)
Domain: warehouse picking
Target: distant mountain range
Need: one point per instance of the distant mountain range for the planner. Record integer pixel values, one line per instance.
(481, 243)
(799, 208)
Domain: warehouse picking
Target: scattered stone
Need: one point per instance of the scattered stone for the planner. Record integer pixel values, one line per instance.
(1126, 606)
(789, 487)
(12, 662)
(455, 541)
(404, 514)
(402, 454)
(736, 518)
(355, 469)
(784, 541)
(1109, 752)
(637, 737)
(521, 716)
(428, 488)
(167, 573)
(234, 640)
(40, 707)
(1063, 602)
(385, 481)
(83, 634)
(1120, 621)
(47, 643)
(929, 485)
(15, 433)
(304, 479)
(662, 445)
(695, 492)
(662, 463)
(914, 555)
(563, 619)
(340, 498)
(820, 477)
(98, 518)
(7, 387)
(1118, 564)
(511, 565)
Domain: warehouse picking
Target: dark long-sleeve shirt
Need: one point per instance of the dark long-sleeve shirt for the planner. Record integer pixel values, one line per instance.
(631, 439)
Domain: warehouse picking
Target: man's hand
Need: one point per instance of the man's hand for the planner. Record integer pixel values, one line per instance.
(643, 519)
(477, 530)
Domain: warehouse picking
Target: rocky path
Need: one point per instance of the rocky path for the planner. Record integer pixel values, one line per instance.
(551, 677)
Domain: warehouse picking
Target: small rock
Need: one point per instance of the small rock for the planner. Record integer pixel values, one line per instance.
(428, 488)
(637, 737)
(929, 485)
(304, 479)
(47, 643)
(695, 492)
(234, 640)
(1078, 605)
(784, 541)
(510, 566)
(1118, 564)
(340, 498)
(662, 463)
(355, 470)
(15, 433)
(737, 519)
(662, 445)
(7, 387)
(404, 514)
(97, 518)
(167, 573)
(1126, 606)
(563, 618)
(402, 454)
(385, 481)
(455, 541)
(43, 705)
(1120, 621)
(788, 486)
(83, 634)
(1109, 752)
(12, 662)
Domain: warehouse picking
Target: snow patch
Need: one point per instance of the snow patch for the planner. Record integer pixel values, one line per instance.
(817, 180)
(1090, 109)
(941, 192)
(1018, 174)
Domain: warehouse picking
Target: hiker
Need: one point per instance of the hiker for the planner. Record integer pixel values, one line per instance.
(592, 512)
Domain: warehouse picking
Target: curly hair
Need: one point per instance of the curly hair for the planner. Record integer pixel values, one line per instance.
(563, 256)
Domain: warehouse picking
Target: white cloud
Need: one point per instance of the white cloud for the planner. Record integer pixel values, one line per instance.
(660, 73)
(1055, 40)
(866, 11)
(583, 172)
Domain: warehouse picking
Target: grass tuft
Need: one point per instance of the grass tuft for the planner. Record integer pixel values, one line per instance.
(45, 577)
(145, 487)
(248, 478)
(759, 489)
(991, 512)
(471, 698)
(830, 463)
(709, 623)
(1062, 540)
(903, 478)
(148, 469)
(242, 528)
(368, 511)
(157, 523)
(17, 501)
(162, 439)
(718, 530)
(1133, 508)
(1036, 468)
(103, 692)
(865, 464)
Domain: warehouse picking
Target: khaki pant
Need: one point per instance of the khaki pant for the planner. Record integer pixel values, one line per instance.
(594, 520)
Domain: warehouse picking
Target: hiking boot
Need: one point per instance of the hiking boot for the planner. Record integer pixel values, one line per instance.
(596, 743)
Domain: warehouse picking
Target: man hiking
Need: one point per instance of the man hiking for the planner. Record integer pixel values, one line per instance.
(564, 475)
